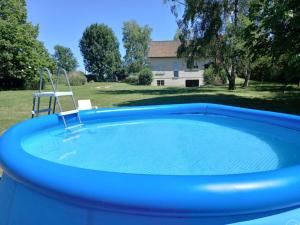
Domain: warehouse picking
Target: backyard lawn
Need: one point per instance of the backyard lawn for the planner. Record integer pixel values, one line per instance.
(16, 106)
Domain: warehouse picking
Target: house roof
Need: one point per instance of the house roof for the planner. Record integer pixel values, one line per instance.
(163, 49)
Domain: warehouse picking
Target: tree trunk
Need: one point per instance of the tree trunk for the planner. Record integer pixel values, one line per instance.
(247, 79)
(231, 84)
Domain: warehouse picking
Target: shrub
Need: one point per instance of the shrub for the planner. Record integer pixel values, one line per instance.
(214, 76)
(221, 78)
(33, 84)
(209, 75)
(145, 76)
(261, 69)
(132, 79)
(77, 78)
(121, 74)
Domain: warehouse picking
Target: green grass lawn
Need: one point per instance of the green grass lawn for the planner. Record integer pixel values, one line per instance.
(16, 106)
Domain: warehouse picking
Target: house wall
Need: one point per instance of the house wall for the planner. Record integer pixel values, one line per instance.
(163, 69)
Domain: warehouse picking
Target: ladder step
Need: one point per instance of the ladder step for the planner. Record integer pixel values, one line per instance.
(74, 126)
(44, 94)
(53, 93)
(68, 112)
(41, 111)
(64, 93)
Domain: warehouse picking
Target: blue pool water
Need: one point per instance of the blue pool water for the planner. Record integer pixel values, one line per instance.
(183, 144)
(173, 164)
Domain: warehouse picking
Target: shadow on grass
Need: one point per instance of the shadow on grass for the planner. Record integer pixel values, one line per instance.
(287, 104)
(163, 91)
(274, 88)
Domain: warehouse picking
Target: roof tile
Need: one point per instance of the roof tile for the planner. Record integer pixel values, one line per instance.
(161, 49)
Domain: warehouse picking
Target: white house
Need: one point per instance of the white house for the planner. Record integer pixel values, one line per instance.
(169, 70)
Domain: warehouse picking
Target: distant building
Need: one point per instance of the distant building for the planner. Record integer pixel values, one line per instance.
(169, 70)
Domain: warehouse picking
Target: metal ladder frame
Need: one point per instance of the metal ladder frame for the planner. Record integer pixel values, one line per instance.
(56, 94)
(36, 95)
(72, 96)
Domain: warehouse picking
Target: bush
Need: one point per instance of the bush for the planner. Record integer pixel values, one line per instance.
(214, 76)
(209, 75)
(221, 78)
(132, 79)
(77, 78)
(261, 69)
(121, 74)
(34, 84)
(145, 77)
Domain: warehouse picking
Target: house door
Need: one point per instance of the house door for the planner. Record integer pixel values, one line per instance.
(192, 83)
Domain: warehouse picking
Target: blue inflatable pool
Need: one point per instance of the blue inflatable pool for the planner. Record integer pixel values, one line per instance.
(185, 164)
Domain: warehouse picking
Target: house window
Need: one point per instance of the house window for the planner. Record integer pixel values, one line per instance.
(176, 74)
(160, 83)
(192, 65)
(159, 71)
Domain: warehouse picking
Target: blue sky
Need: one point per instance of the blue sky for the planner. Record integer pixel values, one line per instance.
(63, 21)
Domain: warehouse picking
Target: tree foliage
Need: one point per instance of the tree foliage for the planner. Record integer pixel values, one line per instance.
(241, 35)
(100, 50)
(210, 30)
(21, 55)
(177, 35)
(64, 58)
(274, 31)
(135, 40)
(13, 11)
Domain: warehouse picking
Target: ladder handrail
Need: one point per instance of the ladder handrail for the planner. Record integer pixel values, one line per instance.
(41, 78)
(56, 95)
(70, 89)
(66, 77)
(68, 83)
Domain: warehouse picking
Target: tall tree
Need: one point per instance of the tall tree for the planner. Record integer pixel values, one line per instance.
(100, 50)
(275, 31)
(135, 40)
(209, 29)
(177, 35)
(64, 58)
(21, 55)
(13, 11)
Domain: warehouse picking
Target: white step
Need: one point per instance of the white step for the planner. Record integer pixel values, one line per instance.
(65, 113)
(63, 93)
(74, 126)
(52, 93)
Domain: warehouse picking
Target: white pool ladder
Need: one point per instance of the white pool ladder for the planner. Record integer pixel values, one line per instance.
(55, 94)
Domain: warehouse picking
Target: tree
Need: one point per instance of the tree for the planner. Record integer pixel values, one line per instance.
(64, 58)
(100, 50)
(21, 55)
(244, 62)
(209, 30)
(274, 31)
(13, 11)
(177, 35)
(135, 40)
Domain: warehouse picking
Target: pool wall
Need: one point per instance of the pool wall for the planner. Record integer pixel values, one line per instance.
(35, 191)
